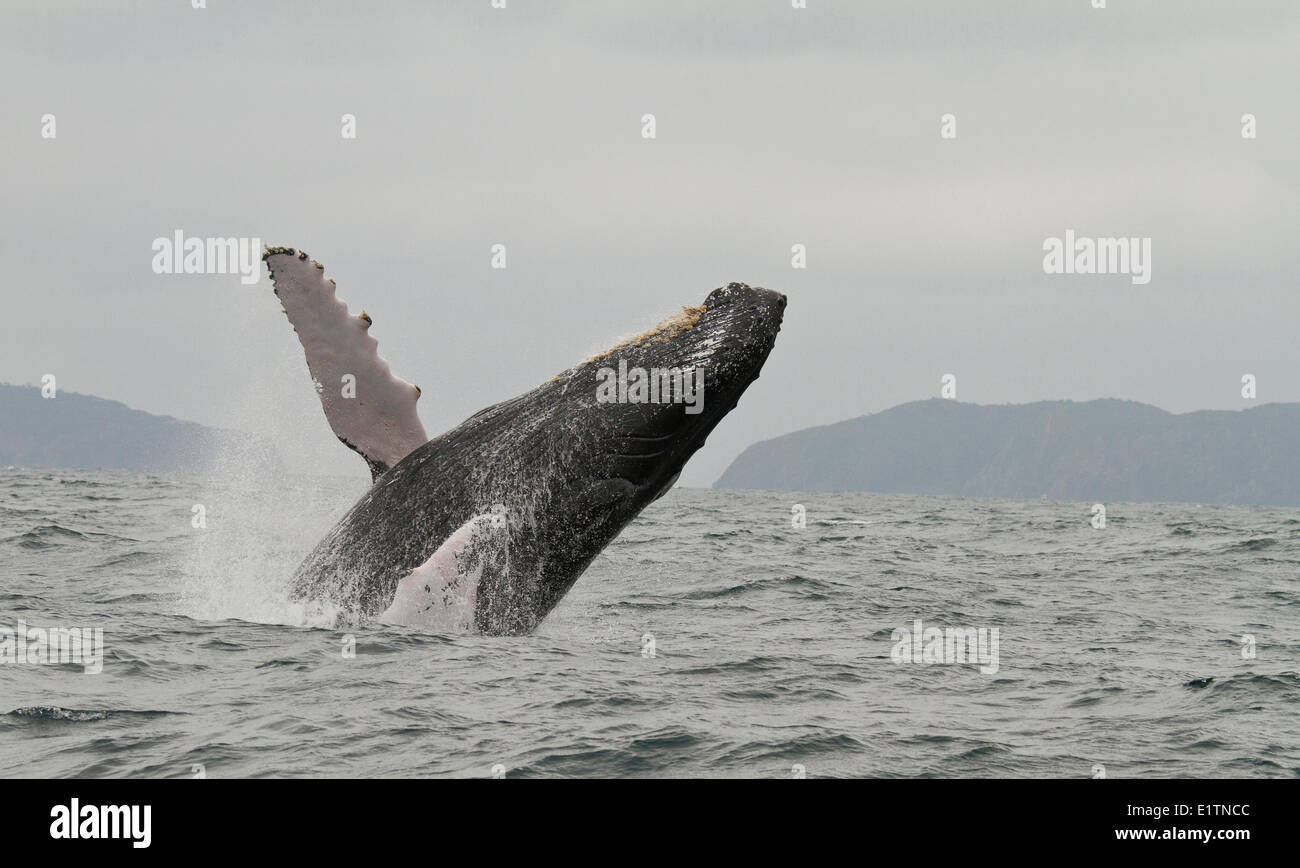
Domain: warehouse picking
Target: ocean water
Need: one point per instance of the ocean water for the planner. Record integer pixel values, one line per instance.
(1120, 650)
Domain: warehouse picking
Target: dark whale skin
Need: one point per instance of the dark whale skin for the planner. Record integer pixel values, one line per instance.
(570, 472)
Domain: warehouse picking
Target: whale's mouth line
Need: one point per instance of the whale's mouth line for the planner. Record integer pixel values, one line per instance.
(639, 454)
(644, 438)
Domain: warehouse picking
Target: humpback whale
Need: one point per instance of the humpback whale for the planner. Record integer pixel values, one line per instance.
(484, 528)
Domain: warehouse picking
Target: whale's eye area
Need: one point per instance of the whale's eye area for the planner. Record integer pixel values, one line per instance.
(604, 494)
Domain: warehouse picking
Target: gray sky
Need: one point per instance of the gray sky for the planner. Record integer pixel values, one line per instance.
(775, 126)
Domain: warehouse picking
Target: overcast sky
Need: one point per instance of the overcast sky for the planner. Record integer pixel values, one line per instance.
(775, 126)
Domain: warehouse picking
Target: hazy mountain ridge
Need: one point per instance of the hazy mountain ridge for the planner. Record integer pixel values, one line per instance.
(1094, 450)
(84, 432)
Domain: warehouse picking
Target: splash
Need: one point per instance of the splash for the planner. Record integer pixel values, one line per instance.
(259, 521)
(257, 531)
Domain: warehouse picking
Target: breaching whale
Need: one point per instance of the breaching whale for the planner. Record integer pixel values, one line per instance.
(487, 526)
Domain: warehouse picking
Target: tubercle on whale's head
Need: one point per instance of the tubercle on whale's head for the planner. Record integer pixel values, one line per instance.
(669, 328)
(745, 321)
(725, 309)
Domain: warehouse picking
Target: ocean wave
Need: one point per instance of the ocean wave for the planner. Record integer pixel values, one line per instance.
(82, 715)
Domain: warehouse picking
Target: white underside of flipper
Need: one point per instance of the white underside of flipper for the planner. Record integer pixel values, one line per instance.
(441, 593)
(368, 408)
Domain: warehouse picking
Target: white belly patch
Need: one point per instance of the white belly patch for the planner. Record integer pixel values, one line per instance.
(441, 592)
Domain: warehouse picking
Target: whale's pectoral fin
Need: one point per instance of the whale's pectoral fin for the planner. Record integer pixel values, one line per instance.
(369, 409)
(442, 592)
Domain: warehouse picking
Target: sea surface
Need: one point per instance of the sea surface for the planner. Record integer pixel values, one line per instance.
(1124, 651)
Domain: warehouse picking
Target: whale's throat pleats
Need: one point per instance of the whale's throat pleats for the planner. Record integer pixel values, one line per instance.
(369, 409)
(442, 593)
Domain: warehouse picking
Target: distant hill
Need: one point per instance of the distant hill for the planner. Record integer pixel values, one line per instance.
(1106, 450)
(84, 432)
